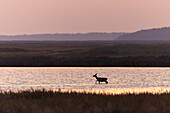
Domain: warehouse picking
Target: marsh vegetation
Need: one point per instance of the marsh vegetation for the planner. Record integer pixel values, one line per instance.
(42, 101)
(92, 53)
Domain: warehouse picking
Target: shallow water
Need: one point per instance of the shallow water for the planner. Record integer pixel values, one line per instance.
(120, 79)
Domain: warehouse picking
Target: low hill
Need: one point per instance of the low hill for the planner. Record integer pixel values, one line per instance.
(61, 37)
(150, 34)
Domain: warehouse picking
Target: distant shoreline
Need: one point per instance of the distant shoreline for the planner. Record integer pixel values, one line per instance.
(62, 37)
(85, 54)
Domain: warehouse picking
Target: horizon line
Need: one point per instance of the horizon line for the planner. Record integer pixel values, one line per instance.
(75, 33)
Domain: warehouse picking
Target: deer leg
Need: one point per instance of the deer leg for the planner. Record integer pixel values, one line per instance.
(99, 82)
(96, 82)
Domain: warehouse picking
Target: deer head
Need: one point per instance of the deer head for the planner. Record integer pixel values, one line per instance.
(95, 75)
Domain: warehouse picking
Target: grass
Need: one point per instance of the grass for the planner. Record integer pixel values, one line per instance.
(42, 101)
(82, 54)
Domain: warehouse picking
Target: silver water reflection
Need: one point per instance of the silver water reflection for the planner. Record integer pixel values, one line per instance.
(81, 78)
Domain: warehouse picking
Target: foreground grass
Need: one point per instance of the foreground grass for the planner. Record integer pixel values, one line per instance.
(41, 101)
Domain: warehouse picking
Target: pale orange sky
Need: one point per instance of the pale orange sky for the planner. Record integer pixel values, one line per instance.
(72, 16)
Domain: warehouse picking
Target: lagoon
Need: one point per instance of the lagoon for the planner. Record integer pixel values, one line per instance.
(121, 79)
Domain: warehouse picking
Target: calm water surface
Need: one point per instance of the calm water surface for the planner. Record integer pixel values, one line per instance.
(120, 79)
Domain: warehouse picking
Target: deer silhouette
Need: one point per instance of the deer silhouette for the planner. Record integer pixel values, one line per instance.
(99, 79)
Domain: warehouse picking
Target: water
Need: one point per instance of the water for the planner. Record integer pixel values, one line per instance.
(120, 79)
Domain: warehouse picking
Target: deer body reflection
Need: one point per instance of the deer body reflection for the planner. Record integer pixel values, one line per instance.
(100, 79)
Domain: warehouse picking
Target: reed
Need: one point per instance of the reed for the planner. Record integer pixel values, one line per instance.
(47, 101)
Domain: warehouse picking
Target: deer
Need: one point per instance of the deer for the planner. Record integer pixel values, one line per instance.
(100, 79)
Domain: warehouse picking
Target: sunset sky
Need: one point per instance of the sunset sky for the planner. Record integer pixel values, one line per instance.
(73, 16)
